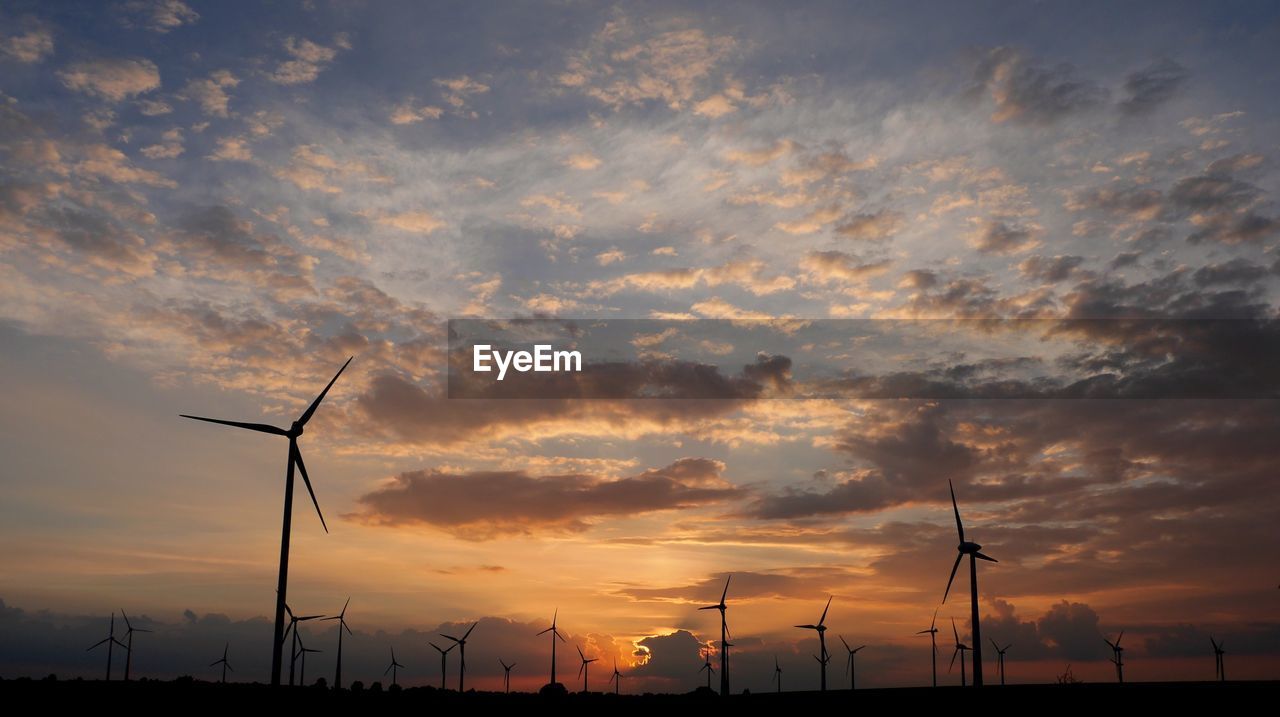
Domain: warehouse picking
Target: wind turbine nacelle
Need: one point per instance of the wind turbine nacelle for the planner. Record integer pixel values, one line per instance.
(968, 547)
(296, 429)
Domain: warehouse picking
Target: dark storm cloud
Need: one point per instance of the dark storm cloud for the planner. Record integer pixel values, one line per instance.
(1050, 269)
(1071, 628)
(1027, 92)
(484, 504)
(673, 657)
(1152, 86)
(1237, 271)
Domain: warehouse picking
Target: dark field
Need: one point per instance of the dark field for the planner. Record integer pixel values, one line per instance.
(183, 693)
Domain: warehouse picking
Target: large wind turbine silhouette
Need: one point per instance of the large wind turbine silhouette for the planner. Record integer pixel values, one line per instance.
(1000, 658)
(1219, 667)
(1117, 656)
(706, 666)
(110, 641)
(461, 642)
(506, 675)
(128, 648)
(616, 679)
(850, 666)
(960, 650)
(297, 639)
(932, 632)
(342, 625)
(582, 671)
(777, 673)
(974, 551)
(295, 459)
(724, 637)
(821, 629)
(554, 635)
(225, 665)
(444, 657)
(393, 668)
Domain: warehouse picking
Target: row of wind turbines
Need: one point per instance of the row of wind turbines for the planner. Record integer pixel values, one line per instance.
(299, 651)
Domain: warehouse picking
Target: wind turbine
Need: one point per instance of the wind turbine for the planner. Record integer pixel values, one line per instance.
(444, 657)
(393, 668)
(1219, 667)
(295, 459)
(777, 673)
(225, 665)
(932, 632)
(506, 674)
(1117, 658)
(554, 634)
(849, 666)
(822, 641)
(1000, 658)
(706, 666)
(960, 650)
(616, 679)
(342, 625)
(461, 642)
(302, 673)
(582, 671)
(110, 641)
(724, 637)
(974, 551)
(128, 638)
(293, 627)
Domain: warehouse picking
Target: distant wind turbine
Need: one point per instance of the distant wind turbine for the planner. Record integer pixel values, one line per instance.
(932, 632)
(1219, 666)
(777, 673)
(225, 665)
(293, 627)
(1000, 658)
(582, 671)
(706, 666)
(295, 459)
(616, 679)
(506, 675)
(110, 641)
(974, 551)
(444, 656)
(554, 635)
(724, 637)
(393, 668)
(342, 625)
(850, 667)
(128, 638)
(821, 629)
(1117, 658)
(302, 672)
(461, 642)
(960, 650)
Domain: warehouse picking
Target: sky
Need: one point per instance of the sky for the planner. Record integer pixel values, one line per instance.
(207, 208)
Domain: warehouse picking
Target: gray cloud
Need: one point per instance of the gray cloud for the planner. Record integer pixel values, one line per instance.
(1152, 86)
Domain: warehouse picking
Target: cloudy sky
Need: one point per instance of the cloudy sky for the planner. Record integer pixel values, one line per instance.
(207, 209)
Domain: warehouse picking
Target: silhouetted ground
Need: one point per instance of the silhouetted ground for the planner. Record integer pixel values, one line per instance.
(189, 693)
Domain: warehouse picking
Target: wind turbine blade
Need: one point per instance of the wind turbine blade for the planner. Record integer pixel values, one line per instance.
(128, 625)
(469, 629)
(956, 509)
(1118, 639)
(1110, 644)
(306, 416)
(344, 608)
(581, 667)
(99, 642)
(260, 427)
(993, 644)
(987, 558)
(344, 627)
(450, 637)
(302, 468)
(549, 629)
(808, 627)
(953, 659)
(934, 622)
(824, 611)
(954, 631)
(580, 655)
(710, 607)
(954, 568)
(725, 594)
(557, 634)
(846, 645)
